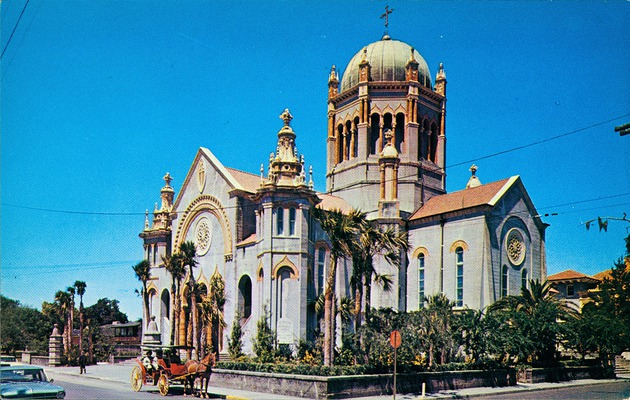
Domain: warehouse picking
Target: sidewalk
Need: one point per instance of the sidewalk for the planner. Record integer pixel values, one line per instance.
(121, 373)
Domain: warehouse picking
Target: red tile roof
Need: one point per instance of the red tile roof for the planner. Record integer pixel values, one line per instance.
(250, 182)
(570, 275)
(463, 199)
(330, 202)
(248, 240)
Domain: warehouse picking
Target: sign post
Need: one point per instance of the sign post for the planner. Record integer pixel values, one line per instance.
(395, 340)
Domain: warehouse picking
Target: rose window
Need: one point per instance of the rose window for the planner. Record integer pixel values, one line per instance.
(202, 236)
(515, 247)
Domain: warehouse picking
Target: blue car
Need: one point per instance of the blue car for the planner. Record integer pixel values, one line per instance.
(27, 381)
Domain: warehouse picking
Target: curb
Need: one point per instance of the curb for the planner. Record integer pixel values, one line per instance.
(514, 390)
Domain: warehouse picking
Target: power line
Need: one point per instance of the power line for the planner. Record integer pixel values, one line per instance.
(73, 212)
(79, 265)
(541, 141)
(358, 185)
(13, 31)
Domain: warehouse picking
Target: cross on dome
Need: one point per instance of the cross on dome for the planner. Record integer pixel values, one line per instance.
(386, 16)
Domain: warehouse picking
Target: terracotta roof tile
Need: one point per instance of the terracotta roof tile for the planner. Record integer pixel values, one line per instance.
(250, 182)
(330, 202)
(460, 200)
(248, 240)
(570, 275)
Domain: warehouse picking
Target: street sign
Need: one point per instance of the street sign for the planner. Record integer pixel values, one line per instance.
(395, 340)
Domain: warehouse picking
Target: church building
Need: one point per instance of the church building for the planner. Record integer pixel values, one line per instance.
(386, 156)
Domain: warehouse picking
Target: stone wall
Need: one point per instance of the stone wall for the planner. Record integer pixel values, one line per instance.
(537, 375)
(324, 387)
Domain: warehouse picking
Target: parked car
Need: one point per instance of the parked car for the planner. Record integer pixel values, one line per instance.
(27, 381)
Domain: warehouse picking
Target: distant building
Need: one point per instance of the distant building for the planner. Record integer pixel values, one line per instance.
(386, 155)
(126, 337)
(573, 286)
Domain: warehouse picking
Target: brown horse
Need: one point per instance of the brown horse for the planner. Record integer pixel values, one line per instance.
(202, 370)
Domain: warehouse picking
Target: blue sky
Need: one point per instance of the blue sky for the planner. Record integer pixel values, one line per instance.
(100, 98)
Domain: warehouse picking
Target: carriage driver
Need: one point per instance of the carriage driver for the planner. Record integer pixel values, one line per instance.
(150, 362)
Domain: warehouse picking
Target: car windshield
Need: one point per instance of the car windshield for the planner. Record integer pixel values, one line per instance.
(23, 375)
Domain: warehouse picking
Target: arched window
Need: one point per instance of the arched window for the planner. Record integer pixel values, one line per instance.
(245, 297)
(284, 277)
(291, 221)
(280, 221)
(504, 281)
(459, 263)
(400, 133)
(524, 278)
(165, 310)
(374, 133)
(340, 143)
(321, 269)
(421, 280)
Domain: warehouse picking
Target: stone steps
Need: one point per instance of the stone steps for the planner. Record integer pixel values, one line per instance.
(622, 366)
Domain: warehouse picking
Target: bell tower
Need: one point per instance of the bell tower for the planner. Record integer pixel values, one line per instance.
(386, 90)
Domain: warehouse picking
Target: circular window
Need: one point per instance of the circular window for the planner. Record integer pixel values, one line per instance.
(202, 236)
(515, 246)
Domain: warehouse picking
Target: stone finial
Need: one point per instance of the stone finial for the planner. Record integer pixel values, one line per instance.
(441, 74)
(333, 77)
(388, 136)
(286, 117)
(473, 181)
(310, 179)
(168, 179)
(146, 219)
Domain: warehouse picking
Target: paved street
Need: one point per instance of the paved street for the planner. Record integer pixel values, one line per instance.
(606, 391)
(112, 381)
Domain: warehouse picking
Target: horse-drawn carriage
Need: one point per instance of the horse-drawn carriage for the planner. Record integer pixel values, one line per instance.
(161, 366)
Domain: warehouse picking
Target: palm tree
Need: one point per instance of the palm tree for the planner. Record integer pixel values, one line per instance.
(62, 299)
(212, 311)
(71, 291)
(174, 266)
(143, 273)
(188, 254)
(341, 229)
(537, 312)
(80, 286)
(373, 241)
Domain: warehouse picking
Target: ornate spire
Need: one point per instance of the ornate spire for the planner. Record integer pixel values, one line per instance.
(167, 194)
(286, 166)
(440, 81)
(333, 83)
(412, 67)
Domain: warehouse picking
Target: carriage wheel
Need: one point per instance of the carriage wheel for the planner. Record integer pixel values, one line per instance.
(163, 384)
(136, 378)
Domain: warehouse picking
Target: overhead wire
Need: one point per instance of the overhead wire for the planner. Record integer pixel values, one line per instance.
(400, 178)
(14, 29)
